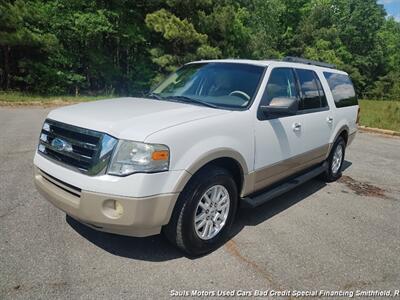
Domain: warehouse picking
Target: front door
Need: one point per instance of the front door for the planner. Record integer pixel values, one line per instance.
(285, 145)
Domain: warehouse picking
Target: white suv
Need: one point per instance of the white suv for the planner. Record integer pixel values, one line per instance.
(214, 136)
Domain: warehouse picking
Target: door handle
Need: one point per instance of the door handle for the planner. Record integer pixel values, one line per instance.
(296, 126)
(329, 120)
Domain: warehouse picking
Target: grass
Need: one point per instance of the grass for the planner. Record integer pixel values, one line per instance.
(374, 113)
(17, 98)
(380, 114)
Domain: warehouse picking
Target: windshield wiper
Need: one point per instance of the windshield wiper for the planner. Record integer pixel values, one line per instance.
(155, 96)
(191, 100)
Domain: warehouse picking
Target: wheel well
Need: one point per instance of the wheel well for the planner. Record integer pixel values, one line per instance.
(232, 166)
(344, 134)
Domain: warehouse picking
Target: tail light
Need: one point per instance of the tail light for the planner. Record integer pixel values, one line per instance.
(358, 116)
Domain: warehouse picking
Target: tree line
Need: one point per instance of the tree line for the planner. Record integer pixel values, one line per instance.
(123, 47)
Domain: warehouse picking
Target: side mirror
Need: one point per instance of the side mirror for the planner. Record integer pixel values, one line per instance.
(281, 106)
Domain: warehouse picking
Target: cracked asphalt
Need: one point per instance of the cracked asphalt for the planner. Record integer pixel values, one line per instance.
(338, 236)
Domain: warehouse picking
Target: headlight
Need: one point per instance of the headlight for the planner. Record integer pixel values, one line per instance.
(134, 157)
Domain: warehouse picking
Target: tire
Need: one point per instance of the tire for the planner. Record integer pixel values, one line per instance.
(181, 230)
(334, 171)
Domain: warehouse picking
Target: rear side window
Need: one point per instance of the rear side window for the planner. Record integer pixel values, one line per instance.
(342, 89)
(312, 94)
(281, 83)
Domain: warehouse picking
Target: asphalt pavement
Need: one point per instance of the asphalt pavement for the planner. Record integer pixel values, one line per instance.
(339, 236)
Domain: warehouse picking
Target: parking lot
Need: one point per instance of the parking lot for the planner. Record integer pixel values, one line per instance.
(338, 236)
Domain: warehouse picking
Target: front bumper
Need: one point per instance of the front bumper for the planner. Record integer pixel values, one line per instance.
(140, 216)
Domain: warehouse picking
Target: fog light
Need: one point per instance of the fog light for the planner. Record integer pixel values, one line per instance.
(112, 209)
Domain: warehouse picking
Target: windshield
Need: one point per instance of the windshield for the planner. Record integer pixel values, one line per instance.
(224, 85)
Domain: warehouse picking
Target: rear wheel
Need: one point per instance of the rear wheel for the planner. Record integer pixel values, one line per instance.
(335, 161)
(204, 212)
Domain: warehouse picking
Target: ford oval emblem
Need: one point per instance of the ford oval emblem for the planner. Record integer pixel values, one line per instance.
(61, 145)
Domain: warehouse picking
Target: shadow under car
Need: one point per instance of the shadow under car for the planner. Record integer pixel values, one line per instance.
(157, 248)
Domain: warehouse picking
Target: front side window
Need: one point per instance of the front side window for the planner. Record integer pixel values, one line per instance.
(281, 84)
(342, 89)
(223, 85)
(310, 90)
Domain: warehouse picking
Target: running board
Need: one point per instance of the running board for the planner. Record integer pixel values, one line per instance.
(254, 201)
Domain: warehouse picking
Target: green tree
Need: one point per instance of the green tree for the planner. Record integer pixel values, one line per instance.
(388, 84)
(122, 47)
(20, 41)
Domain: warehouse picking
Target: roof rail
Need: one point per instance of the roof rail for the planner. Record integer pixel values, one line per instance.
(308, 62)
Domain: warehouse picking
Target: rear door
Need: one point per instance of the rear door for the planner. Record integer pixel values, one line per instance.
(317, 119)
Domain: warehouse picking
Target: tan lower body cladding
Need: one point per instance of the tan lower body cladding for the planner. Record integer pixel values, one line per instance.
(132, 216)
(264, 177)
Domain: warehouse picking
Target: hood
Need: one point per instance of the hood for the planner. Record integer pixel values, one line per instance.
(131, 118)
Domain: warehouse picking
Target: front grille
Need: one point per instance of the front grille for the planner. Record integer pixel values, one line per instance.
(80, 149)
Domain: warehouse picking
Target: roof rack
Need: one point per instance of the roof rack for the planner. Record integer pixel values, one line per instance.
(308, 62)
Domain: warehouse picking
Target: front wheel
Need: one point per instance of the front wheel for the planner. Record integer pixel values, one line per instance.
(204, 212)
(335, 161)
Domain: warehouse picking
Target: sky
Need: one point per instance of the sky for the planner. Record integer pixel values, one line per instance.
(392, 8)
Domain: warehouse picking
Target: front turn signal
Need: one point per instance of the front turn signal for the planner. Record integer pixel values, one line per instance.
(160, 155)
